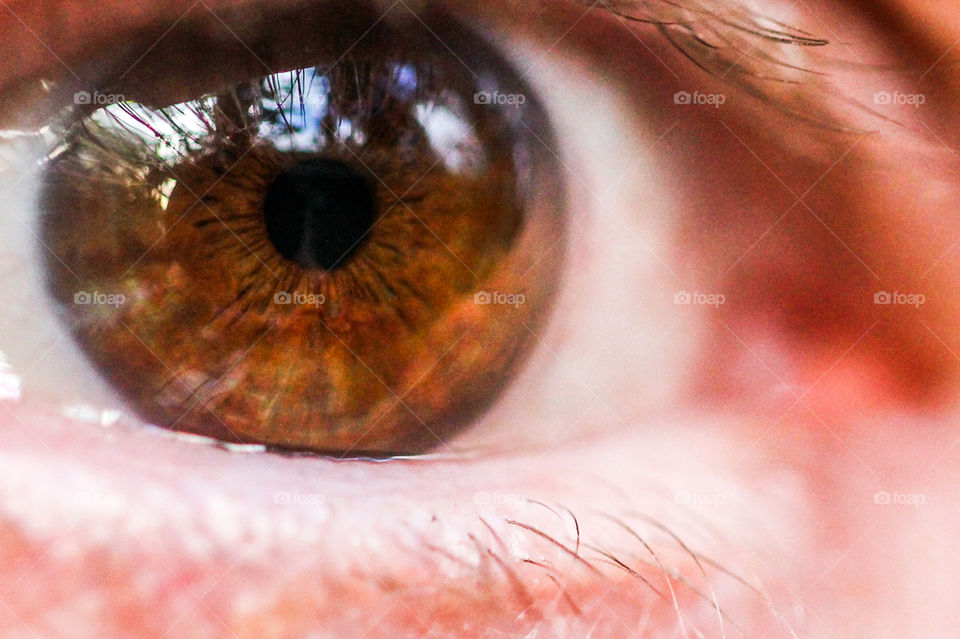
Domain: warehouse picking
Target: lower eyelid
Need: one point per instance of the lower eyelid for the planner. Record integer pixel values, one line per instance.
(290, 545)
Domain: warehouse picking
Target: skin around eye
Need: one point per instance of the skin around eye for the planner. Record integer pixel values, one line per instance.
(813, 502)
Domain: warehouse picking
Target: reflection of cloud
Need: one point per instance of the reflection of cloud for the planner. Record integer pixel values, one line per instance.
(290, 110)
(450, 138)
(9, 382)
(303, 98)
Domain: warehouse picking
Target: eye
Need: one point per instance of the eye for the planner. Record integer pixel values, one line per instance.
(348, 255)
(508, 399)
(482, 541)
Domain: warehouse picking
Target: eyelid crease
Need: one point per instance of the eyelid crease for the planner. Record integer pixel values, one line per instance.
(752, 52)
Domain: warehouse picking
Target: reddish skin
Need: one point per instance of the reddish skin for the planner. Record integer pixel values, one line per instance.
(201, 548)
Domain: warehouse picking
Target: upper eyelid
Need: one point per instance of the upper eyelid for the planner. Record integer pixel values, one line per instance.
(686, 25)
(727, 40)
(751, 54)
(43, 37)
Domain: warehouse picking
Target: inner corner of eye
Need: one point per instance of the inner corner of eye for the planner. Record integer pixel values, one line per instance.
(348, 255)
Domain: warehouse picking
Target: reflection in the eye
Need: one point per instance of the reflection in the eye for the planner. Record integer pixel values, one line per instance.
(315, 259)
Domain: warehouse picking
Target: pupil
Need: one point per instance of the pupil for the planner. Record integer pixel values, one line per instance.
(318, 212)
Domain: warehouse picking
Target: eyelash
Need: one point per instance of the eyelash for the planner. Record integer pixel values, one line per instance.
(779, 65)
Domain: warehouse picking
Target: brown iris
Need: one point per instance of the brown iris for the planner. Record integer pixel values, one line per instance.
(348, 257)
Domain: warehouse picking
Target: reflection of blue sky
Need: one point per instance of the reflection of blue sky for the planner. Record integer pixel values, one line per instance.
(405, 81)
(302, 100)
(293, 107)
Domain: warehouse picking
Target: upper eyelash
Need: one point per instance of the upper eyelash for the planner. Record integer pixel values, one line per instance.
(745, 49)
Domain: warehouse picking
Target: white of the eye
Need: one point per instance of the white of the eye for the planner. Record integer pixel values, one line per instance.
(616, 343)
(36, 344)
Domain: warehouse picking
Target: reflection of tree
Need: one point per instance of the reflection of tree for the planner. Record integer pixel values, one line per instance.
(236, 114)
